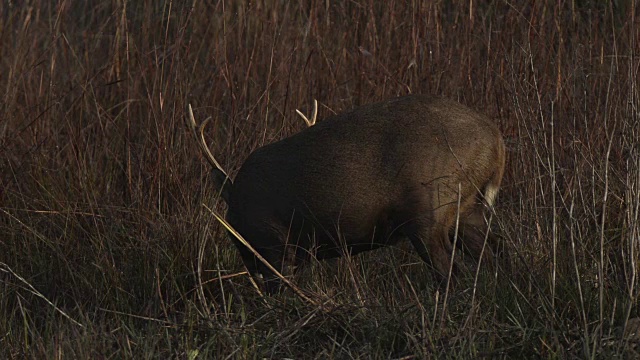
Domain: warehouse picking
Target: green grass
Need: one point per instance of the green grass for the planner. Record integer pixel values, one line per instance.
(108, 251)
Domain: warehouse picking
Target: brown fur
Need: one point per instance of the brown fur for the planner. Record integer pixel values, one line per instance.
(366, 178)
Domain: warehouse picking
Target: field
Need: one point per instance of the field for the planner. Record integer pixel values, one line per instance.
(108, 244)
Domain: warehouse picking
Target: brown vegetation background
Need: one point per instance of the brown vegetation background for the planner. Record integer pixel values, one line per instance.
(107, 250)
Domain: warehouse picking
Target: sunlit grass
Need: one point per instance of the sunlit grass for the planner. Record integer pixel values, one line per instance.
(107, 244)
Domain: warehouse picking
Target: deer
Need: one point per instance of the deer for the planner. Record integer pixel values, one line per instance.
(415, 167)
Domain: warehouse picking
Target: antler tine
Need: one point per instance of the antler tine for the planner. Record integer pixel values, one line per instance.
(314, 115)
(201, 141)
(205, 147)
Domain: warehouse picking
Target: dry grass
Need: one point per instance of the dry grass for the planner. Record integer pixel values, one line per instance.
(106, 249)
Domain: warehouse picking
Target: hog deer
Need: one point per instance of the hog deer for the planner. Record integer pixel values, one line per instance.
(408, 167)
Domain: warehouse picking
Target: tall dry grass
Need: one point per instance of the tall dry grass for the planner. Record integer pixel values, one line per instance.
(106, 248)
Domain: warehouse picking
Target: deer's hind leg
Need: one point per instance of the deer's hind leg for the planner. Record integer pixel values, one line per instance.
(433, 234)
(430, 238)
